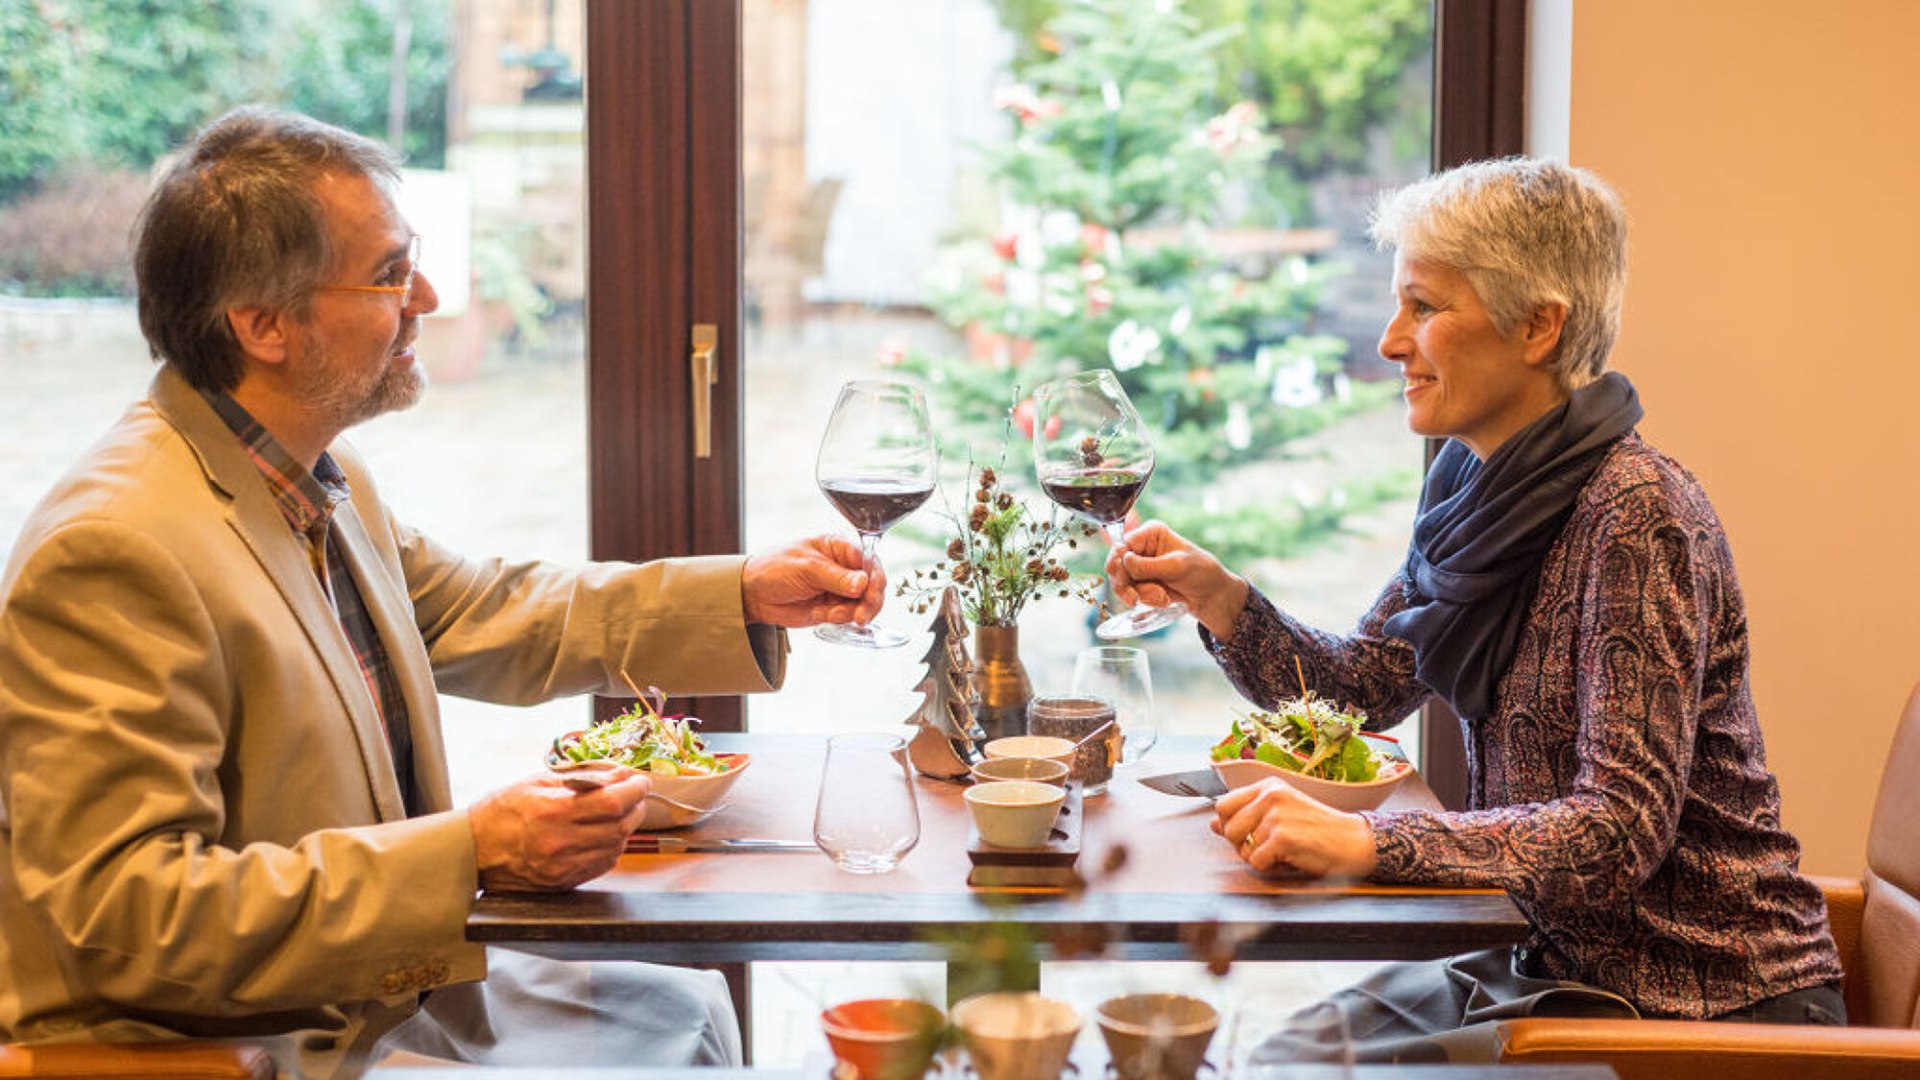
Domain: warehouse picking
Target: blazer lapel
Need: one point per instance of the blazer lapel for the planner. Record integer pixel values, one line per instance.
(256, 518)
(384, 591)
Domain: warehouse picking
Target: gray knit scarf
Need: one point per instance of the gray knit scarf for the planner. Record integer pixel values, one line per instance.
(1482, 533)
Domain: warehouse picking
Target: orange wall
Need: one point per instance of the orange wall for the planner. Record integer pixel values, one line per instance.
(1769, 155)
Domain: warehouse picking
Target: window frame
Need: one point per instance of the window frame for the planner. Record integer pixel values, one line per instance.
(663, 178)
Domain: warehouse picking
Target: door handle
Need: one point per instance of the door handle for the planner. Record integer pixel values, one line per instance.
(706, 372)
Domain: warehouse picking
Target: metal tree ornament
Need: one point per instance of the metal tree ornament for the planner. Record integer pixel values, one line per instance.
(944, 746)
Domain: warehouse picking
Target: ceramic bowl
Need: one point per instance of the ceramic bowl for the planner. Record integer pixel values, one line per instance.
(705, 794)
(1014, 813)
(1043, 770)
(1156, 1036)
(1341, 796)
(883, 1038)
(1020, 1036)
(1051, 747)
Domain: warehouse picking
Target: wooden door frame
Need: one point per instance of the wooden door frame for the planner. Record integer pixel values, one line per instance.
(665, 169)
(662, 170)
(1479, 111)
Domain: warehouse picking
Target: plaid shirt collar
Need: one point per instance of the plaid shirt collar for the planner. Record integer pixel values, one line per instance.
(306, 499)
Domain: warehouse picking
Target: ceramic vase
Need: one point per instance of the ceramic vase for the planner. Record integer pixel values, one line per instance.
(1000, 681)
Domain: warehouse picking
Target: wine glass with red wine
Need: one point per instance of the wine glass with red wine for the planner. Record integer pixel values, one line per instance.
(876, 466)
(1093, 455)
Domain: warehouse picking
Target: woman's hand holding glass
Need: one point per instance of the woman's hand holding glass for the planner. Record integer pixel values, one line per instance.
(1158, 566)
(1093, 455)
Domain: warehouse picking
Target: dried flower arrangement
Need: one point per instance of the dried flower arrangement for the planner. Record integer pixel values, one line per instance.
(1002, 557)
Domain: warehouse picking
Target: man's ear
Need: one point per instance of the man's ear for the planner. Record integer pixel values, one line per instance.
(262, 332)
(1541, 335)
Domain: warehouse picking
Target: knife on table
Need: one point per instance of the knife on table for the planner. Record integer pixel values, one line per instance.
(1195, 783)
(649, 844)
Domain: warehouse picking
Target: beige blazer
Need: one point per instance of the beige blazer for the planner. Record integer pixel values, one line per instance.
(200, 829)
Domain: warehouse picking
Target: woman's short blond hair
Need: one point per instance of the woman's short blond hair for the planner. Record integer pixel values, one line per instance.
(1524, 232)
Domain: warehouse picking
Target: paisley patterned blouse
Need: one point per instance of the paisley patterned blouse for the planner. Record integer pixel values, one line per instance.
(1620, 791)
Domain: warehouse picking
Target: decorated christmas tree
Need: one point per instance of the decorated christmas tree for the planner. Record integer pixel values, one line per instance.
(1124, 173)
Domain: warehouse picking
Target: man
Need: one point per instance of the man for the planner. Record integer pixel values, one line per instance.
(226, 804)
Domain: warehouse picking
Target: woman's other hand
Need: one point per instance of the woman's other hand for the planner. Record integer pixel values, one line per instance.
(1159, 566)
(1274, 827)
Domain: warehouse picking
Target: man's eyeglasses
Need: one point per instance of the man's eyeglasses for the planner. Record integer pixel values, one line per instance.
(402, 289)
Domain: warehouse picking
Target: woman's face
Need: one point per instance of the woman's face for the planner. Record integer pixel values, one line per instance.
(1464, 379)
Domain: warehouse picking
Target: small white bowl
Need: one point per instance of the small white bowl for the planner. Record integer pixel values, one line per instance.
(1014, 813)
(1045, 770)
(1051, 747)
(1239, 772)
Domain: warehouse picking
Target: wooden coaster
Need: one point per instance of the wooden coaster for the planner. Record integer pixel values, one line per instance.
(1049, 866)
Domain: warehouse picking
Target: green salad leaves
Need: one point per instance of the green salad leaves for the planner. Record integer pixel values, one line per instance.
(1306, 736)
(644, 739)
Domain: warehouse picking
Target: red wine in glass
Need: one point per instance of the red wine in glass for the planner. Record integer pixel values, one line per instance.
(1093, 455)
(1105, 495)
(876, 466)
(874, 505)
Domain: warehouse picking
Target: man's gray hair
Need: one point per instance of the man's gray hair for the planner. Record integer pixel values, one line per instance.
(235, 221)
(1524, 232)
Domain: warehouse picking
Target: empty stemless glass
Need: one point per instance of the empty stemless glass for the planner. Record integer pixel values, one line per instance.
(1120, 675)
(867, 817)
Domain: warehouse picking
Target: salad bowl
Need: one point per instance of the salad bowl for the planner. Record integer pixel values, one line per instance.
(673, 802)
(698, 797)
(1341, 795)
(690, 782)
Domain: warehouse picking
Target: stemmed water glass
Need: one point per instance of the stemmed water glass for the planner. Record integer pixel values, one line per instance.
(1093, 455)
(876, 466)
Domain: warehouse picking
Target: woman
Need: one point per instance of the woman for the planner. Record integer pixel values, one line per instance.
(1570, 592)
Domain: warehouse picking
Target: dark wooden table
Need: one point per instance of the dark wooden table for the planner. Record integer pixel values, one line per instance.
(1157, 878)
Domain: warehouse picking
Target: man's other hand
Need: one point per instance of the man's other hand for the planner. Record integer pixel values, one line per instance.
(540, 835)
(818, 580)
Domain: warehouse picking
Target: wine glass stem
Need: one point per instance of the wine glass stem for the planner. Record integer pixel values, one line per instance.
(1117, 532)
(869, 543)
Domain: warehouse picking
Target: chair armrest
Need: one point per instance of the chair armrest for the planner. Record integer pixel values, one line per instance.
(1846, 904)
(185, 1060)
(1676, 1049)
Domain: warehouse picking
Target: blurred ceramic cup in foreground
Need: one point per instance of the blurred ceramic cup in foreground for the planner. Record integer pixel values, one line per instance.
(1042, 770)
(1016, 1036)
(1041, 746)
(1156, 1036)
(883, 1038)
(1088, 723)
(1015, 813)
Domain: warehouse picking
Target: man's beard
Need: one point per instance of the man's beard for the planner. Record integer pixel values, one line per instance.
(347, 400)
